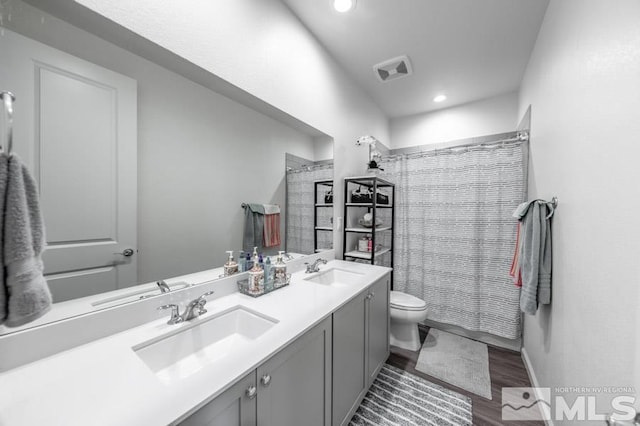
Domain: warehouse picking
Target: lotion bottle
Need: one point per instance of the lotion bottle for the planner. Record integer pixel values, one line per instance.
(280, 271)
(231, 267)
(256, 275)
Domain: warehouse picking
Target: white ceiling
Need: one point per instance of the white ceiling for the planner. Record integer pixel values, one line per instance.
(466, 49)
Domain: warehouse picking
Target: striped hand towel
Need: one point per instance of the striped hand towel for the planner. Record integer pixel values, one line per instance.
(271, 225)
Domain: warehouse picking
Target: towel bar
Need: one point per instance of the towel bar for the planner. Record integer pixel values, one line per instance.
(8, 99)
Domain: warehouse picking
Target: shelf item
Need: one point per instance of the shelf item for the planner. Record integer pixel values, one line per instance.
(364, 230)
(380, 206)
(366, 255)
(374, 190)
(323, 198)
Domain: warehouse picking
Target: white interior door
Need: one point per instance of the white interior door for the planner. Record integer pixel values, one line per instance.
(75, 126)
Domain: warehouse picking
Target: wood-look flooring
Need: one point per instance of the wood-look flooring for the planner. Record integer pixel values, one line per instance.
(505, 367)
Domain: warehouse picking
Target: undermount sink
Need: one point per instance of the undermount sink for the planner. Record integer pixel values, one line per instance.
(334, 277)
(187, 350)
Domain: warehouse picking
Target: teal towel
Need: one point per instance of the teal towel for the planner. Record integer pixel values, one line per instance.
(253, 227)
(535, 254)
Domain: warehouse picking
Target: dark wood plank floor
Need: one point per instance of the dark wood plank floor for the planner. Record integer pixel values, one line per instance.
(505, 367)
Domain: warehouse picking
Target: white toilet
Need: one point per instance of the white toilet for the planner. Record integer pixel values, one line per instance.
(406, 312)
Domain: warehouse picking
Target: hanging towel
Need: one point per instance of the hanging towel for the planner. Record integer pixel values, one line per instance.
(4, 175)
(253, 227)
(271, 225)
(535, 254)
(515, 264)
(27, 294)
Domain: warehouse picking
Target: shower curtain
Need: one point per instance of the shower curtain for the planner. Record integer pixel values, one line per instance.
(454, 234)
(300, 206)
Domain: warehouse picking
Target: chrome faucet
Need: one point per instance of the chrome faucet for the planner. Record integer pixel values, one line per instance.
(194, 309)
(163, 286)
(314, 266)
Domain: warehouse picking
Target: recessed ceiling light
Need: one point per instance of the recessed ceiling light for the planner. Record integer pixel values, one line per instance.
(440, 98)
(343, 6)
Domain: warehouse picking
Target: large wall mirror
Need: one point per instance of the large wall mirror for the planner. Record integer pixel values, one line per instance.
(143, 171)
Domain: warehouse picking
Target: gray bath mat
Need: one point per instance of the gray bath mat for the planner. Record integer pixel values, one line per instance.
(397, 397)
(456, 360)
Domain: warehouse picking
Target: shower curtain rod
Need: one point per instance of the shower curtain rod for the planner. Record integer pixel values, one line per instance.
(521, 136)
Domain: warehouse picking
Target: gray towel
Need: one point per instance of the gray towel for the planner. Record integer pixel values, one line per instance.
(253, 227)
(27, 293)
(4, 174)
(535, 254)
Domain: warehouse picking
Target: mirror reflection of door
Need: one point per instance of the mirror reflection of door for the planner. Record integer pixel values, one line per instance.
(75, 126)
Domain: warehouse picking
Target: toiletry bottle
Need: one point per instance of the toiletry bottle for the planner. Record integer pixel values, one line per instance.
(242, 262)
(256, 275)
(363, 244)
(268, 275)
(231, 267)
(261, 261)
(280, 271)
(248, 263)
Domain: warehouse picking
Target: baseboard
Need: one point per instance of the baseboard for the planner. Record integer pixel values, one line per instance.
(532, 377)
(490, 339)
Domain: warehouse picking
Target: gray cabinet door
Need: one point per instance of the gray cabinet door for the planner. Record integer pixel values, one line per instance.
(234, 407)
(350, 356)
(378, 321)
(294, 386)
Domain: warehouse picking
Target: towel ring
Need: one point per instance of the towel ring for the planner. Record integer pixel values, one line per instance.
(8, 99)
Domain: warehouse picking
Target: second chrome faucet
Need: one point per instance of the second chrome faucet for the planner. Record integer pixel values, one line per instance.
(194, 309)
(314, 267)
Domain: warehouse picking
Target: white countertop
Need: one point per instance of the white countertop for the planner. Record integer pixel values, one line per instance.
(105, 383)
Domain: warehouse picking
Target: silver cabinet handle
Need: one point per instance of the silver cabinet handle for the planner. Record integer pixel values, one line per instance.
(126, 252)
(251, 392)
(373, 294)
(265, 380)
(369, 296)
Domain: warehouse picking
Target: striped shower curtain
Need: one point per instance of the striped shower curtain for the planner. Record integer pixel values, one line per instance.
(454, 235)
(300, 206)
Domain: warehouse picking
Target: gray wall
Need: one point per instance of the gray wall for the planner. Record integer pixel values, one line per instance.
(200, 154)
(583, 87)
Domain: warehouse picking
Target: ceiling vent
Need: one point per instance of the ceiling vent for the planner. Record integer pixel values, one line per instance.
(393, 69)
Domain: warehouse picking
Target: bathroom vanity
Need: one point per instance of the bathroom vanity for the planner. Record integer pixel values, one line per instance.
(304, 354)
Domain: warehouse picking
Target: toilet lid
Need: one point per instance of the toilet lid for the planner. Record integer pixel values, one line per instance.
(406, 301)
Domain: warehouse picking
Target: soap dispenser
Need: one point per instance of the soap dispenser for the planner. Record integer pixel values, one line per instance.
(280, 271)
(256, 275)
(231, 267)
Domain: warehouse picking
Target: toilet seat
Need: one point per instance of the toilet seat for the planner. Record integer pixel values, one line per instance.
(406, 302)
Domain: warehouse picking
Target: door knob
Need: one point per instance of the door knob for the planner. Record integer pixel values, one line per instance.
(126, 252)
(265, 380)
(251, 392)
